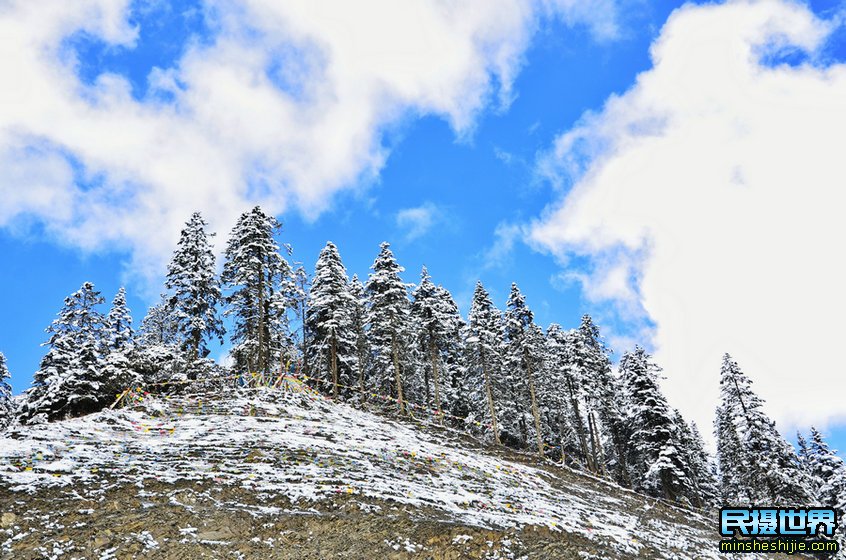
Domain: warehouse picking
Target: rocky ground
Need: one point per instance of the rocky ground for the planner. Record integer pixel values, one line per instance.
(190, 520)
(294, 477)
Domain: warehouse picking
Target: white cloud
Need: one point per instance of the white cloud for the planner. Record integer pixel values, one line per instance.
(505, 157)
(713, 190)
(499, 253)
(417, 221)
(284, 106)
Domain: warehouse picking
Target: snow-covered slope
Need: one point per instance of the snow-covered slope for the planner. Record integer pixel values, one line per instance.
(312, 450)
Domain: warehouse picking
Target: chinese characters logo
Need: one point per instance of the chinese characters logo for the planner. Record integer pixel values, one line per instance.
(787, 530)
(785, 522)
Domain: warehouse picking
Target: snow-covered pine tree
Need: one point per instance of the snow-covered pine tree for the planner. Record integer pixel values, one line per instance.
(535, 345)
(603, 405)
(658, 465)
(362, 344)
(330, 318)
(159, 326)
(392, 366)
(802, 451)
(559, 391)
(117, 341)
(731, 460)
(118, 324)
(155, 355)
(260, 285)
(195, 290)
(298, 301)
(424, 328)
(774, 474)
(7, 407)
(523, 353)
(484, 360)
(289, 299)
(829, 472)
(566, 351)
(71, 379)
(437, 324)
(453, 396)
(696, 457)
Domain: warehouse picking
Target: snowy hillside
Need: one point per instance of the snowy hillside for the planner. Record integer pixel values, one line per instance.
(297, 453)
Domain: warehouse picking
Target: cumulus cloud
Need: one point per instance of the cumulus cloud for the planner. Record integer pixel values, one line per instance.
(711, 194)
(416, 222)
(506, 236)
(283, 105)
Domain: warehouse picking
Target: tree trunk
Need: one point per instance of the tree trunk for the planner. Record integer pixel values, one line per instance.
(583, 440)
(427, 388)
(433, 355)
(195, 344)
(361, 376)
(580, 426)
(397, 375)
(620, 446)
(260, 322)
(740, 398)
(594, 463)
(303, 331)
(282, 371)
(562, 441)
(666, 487)
(334, 351)
(268, 341)
(535, 411)
(596, 445)
(489, 392)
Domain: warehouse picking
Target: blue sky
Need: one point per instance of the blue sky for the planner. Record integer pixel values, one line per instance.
(497, 167)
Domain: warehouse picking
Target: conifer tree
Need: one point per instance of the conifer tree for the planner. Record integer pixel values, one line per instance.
(773, 473)
(698, 461)
(462, 383)
(71, 380)
(118, 324)
(559, 391)
(454, 378)
(731, 460)
(437, 328)
(298, 301)
(484, 359)
(330, 319)
(261, 291)
(802, 451)
(159, 327)
(155, 354)
(563, 358)
(603, 406)
(424, 327)
(523, 355)
(829, 472)
(389, 328)
(658, 464)
(359, 325)
(195, 290)
(289, 299)
(590, 358)
(6, 404)
(117, 341)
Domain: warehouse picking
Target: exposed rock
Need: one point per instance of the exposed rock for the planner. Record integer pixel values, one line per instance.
(234, 487)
